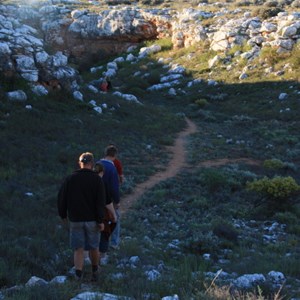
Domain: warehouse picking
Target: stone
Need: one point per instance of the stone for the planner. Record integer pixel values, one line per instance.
(98, 109)
(276, 277)
(4, 49)
(34, 280)
(39, 90)
(249, 280)
(152, 275)
(128, 97)
(59, 280)
(18, 95)
(78, 96)
(282, 96)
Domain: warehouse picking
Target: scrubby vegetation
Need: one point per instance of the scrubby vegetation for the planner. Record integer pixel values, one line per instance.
(221, 209)
(276, 189)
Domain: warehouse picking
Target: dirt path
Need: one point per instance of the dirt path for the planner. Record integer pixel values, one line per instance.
(178, 161)
(225, 161)
(175, 164)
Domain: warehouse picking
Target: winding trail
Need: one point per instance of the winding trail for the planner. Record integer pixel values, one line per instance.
(178, 161)
(225, 161)
(175, 164)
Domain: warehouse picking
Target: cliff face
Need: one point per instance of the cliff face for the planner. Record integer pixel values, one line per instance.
(109, 33)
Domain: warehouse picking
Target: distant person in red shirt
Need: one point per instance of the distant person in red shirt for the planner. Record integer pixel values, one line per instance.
(119, 166)
(104, 85)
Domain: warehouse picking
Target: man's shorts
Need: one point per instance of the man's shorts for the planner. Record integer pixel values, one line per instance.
(84, 234)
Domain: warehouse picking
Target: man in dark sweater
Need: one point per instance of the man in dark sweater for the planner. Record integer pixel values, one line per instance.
(82, 200)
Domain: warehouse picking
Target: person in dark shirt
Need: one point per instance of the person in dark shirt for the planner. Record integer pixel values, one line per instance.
(81, 200)
(111, 180)
(118, 164)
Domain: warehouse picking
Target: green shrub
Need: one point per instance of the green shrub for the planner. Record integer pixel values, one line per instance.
(8, 173)
(239, 48)
(165, 140)
(201, 243)
(213, 179)
(273, 164)
(275, 188)
(154, 77)
(151, 2)
(295, 56)
(266, 13)
(286, 217)
(269, 55)
(201, 102)
(271, 4)
(4, 269)
(225, 230)
(243, 3)
(136, 91)
(165, 44)
(14, 82)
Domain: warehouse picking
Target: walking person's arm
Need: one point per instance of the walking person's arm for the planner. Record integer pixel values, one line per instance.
(111, 209)
(100, 204)
(62, 203)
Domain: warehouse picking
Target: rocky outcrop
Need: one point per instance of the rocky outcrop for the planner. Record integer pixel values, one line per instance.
(69, 36)
(84, 34)
(281, 32)
(39, 43)
(23, 54)
(187, 28)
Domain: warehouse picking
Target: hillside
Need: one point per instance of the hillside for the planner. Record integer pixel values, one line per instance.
(209, 139)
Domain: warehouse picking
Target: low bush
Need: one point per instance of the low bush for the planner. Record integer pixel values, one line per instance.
(295, 55)
(266, 13)
(238, 48)
(165, 44)
(271, 4)
(202, 243)
(273, 164)
(225, 230)
(215, 179)
(136, 91)
(201, 102)
(154, 77)
(286, 218)
(277, 188)
(151, 2)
